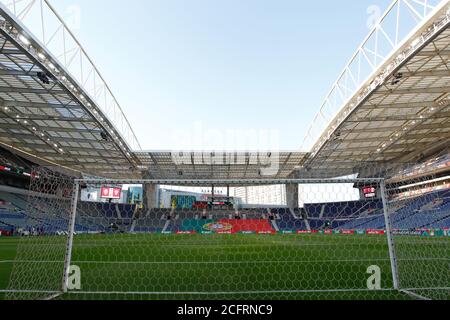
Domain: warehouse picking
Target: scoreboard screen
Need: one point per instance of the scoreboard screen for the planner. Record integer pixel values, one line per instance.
(110, 193)
(369, 192)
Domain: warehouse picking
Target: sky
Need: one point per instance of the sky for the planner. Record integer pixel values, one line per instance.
(220, 74)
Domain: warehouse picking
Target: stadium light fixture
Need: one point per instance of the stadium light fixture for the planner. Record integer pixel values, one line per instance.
(104, 136)
(397, 78)
(24, 40)
(416, 42)
(43, 77)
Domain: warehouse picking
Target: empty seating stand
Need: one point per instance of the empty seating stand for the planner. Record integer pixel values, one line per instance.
(431, 210)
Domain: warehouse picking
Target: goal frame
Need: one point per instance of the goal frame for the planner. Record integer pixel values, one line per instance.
(246, 182)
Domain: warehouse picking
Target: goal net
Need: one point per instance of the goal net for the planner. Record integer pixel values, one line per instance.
(293, 239)
(40, 253)
(420, 220)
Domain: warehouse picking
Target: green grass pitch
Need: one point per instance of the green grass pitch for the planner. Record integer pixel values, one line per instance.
(180, 267)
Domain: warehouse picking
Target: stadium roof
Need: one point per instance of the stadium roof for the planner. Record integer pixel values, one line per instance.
(45, 115)
(401, 113)
(57, 112)
(219, 165)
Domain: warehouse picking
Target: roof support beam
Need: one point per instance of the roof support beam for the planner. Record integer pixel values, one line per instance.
(108, 154)
(411, 105)
(30, 90)
(373, 148)
(438, 90)
(53, 129)
(51, 118)
(390, 129)
(18, 104)
(431, 73)
(433, 53)
(109, 146)
(440, 115)
(409, 137)
(86, 161)
(359, 158)
(4, 72)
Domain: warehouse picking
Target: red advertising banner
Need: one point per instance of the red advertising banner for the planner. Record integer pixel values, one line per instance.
(110, 193)
(375, 232)
(4, 233)
(347, 231)
(267, 232)
(307, 232)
